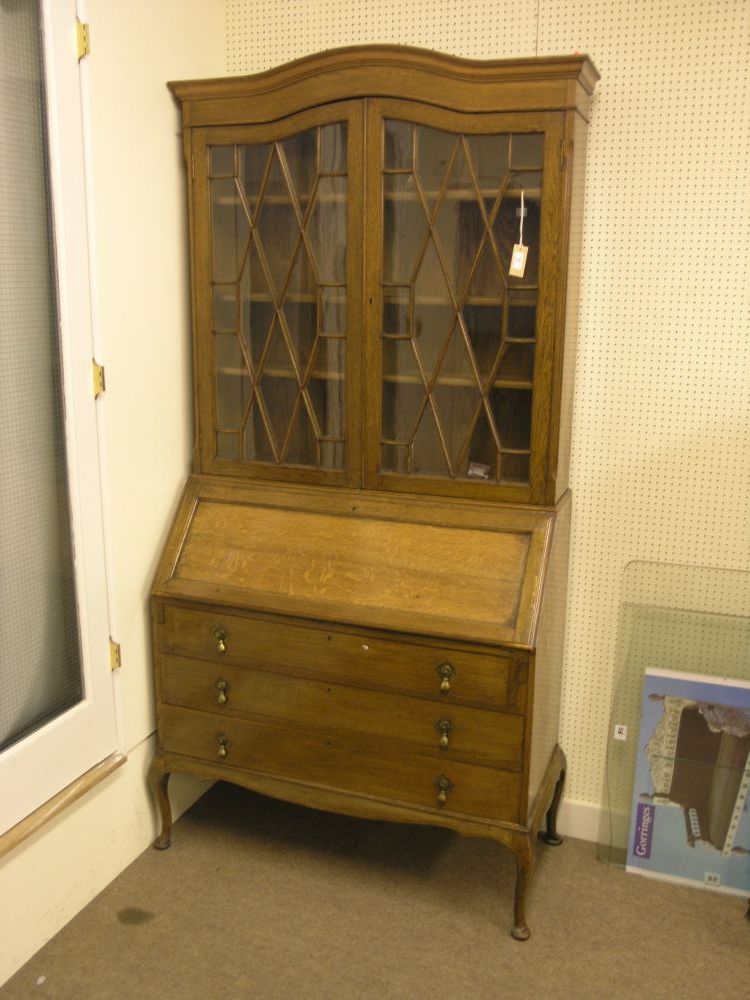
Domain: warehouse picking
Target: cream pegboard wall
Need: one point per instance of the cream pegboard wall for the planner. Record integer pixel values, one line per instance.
(661, 434)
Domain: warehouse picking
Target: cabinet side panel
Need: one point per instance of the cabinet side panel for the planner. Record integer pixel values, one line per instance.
(548, 666)
(577, 179)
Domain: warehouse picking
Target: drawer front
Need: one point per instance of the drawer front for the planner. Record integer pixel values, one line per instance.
(345, 763)
(490, 679)
(381, 718)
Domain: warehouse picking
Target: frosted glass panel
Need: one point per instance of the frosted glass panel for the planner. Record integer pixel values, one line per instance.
(40, 675)
(692, 619)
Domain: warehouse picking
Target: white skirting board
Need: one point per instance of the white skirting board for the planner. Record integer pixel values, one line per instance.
(53, 874)
(579, 819)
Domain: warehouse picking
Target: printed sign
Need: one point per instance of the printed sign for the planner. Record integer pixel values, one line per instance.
(690, 820)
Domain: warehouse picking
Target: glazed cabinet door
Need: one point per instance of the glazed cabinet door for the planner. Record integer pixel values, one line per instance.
(461, 352)
(277, 219)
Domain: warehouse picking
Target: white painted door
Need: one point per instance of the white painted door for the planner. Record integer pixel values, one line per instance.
(57, 701)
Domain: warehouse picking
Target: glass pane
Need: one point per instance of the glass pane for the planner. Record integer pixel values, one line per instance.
(489, 157)
(427, 454)
(279, 271)
(332, 312)
(302, 449)
(333, 149)
(517, 364)
(329, 359)
(460, 228)
(221, 161)
(515, 468)
(326, 230)
(40, 665)
(300, 155)
(456, 363)
(228, 352)
(402, 405)
(528, 151)
(399, 360)
(257, 311)
(228, 445)
(521, 321)
(481, 459)
(484, 326)
(434, 315)
(252, 164)
(395, 458)
(257, 444)
(405, 229)
(225, 307)
(300, 307)
(326, 396)
(397, 152)
(281, 397)
(277, 237)
(232, 395)
(457, 331)
(396, 311)
(456, 407)
(435, 152)
(487, 280)
(277, 360)
(230, 228)
(512, 413)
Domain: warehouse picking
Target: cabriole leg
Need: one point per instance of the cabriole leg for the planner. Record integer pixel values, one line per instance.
(520, 931)
(551, 837)
(158, 781)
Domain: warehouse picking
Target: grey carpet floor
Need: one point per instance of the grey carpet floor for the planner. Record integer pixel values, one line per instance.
(264, 900)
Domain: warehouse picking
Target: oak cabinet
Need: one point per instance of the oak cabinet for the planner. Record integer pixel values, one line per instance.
(361, 603)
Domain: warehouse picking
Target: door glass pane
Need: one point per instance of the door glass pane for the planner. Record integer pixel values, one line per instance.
(40, 664)
(279, 257)
(458, 333)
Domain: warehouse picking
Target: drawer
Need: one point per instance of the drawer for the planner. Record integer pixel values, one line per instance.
(494, 680)
(382, 718)
(343, 762)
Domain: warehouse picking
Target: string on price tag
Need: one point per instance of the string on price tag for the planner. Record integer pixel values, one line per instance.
(520, 252)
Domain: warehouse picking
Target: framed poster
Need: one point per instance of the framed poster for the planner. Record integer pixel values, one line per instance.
(690, 820)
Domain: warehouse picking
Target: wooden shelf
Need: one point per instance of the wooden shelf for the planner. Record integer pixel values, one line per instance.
(276, 372)
(441, 301)
(463, 194)
(458, 194)
(460, 381)
(267, 299)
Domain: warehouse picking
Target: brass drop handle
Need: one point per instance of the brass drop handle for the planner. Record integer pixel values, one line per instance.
(444, 785)
(224, 745)
(444, 728)
(445, 672)
(221, 639)
(222, 687)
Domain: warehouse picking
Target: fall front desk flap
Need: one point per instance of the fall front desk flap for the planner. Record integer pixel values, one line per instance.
(460, 570)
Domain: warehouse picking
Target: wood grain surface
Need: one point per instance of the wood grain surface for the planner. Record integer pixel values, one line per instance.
(488, 678)
(340, 761)
(392, 570)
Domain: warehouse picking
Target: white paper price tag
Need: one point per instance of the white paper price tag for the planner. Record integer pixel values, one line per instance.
(518, 260)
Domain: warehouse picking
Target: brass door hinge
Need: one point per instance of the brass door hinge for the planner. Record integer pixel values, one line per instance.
(83, 41)
(115, 655)
(98, 374)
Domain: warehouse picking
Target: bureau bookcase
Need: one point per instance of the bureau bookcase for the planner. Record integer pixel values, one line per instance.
(360, 605)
